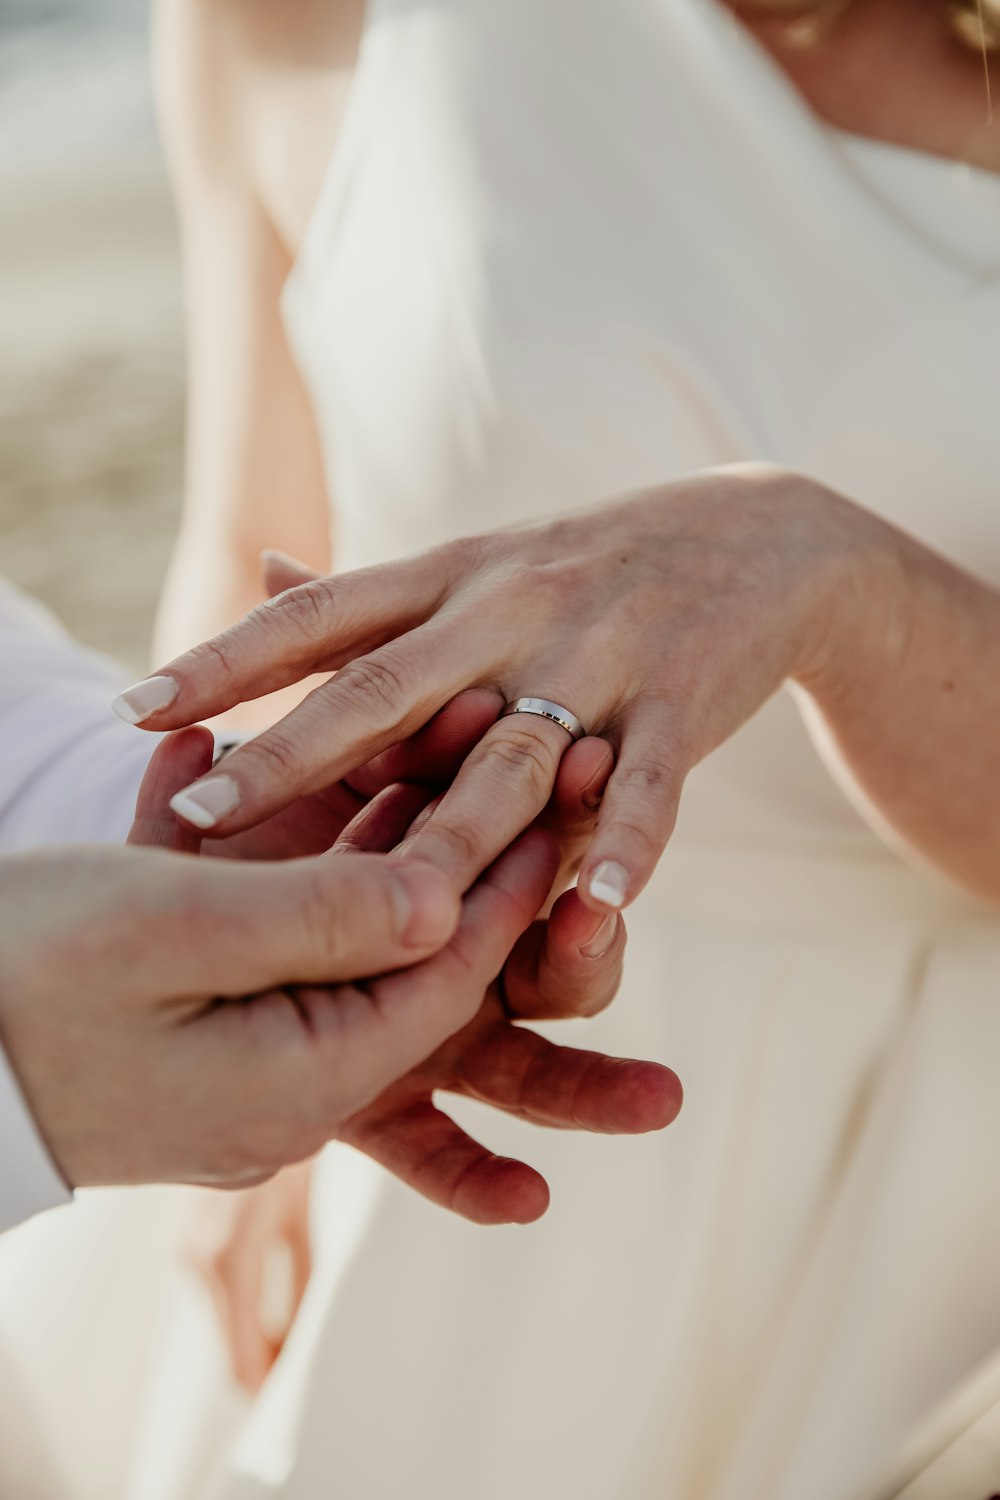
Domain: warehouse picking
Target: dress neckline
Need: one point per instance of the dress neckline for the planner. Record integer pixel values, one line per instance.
(950, 204)
(884, 172)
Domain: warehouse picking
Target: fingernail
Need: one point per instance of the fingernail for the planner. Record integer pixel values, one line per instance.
(593, 793)
(138, 703)
(426, 905)
(609, 884)
(602, 939)
(204, 803)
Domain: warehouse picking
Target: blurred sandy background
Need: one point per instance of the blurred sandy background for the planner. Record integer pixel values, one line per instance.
(90, 326)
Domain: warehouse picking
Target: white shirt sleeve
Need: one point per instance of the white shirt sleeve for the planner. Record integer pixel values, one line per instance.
(69, 773)
(29, 1179)
(69, 770)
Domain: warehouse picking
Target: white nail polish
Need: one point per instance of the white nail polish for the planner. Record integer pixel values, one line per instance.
(609, 884)
(145, 698)
(204, 803)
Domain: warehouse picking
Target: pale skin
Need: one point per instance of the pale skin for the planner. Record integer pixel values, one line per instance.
(178, 1020)
(132, 979)
(251, 98)
(566, 964)
(569, 964)
(666, 620)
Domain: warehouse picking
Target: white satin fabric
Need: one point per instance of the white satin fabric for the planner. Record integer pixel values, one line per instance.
(565, 249)
(69, 770)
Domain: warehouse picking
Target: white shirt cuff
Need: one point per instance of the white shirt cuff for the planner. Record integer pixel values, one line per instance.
(29, 1179)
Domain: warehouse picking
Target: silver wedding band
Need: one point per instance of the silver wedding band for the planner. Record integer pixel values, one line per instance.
(547, 710)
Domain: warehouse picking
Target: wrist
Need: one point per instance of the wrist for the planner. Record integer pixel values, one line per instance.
(851, 594)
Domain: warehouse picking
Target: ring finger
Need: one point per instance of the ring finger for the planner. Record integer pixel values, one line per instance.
(502, 787)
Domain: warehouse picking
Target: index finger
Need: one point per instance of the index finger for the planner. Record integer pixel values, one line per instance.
(316, 627)
(502, 787)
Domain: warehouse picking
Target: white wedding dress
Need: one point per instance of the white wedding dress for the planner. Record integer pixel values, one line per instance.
(565, 249)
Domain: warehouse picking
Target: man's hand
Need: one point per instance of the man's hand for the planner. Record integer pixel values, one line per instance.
(178, 1020)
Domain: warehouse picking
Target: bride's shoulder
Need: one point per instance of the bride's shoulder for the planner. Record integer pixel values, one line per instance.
(249, 93)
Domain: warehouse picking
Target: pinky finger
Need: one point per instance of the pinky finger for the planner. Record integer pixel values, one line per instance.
(636, 820)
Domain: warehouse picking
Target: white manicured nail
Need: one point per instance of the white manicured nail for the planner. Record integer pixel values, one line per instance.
(204, 803)
(138, 703)
(609, 884)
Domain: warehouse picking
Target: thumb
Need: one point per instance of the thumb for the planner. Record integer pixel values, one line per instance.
(282, 571)
(248, 927)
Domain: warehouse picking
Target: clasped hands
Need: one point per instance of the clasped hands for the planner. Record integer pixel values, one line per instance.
(212, 1020)
(662, 621)
(446, 1021)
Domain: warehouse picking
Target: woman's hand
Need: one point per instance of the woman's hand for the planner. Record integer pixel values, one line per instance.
(662, 621)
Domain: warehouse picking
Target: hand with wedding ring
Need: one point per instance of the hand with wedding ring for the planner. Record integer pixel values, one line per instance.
(502, 966)
(660, 622)
(568, 965)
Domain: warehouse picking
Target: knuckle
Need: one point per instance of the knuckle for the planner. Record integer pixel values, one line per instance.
(518, 575)
(276, 753)
(545, 589)
(306, 611)
(522, 753)
(466, 554)
(653, 773)
(588, 1077)
(654, 779)
(321, 915)
(642, 834)
(376, 682)
(217, 656)
(340, 920)
(572, 579)
(462, 840)
(543, 1079)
